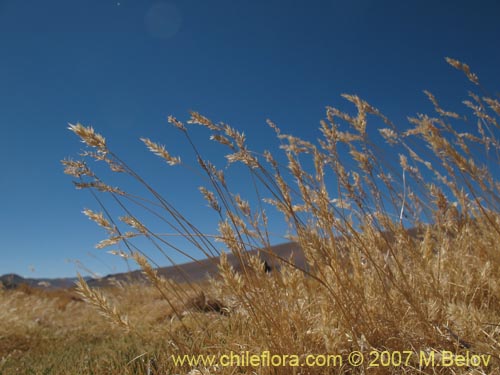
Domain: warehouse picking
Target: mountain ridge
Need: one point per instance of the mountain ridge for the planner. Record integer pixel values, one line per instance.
(191, 271)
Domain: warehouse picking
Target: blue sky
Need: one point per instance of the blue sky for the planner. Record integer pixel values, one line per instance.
(124, 66)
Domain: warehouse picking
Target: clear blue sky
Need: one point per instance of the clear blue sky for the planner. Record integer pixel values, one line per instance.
(124, 66)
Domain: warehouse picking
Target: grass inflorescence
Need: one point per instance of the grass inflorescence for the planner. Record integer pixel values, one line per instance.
(401, 253)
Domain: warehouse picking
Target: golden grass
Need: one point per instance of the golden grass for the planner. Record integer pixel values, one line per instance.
(402, 253)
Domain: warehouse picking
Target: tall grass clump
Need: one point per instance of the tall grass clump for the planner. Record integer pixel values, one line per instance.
(399, 226)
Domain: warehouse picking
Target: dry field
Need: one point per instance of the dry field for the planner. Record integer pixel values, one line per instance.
(370, 284)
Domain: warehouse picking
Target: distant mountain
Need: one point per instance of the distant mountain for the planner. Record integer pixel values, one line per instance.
(202, 269)
(12, 281)
(192, 271)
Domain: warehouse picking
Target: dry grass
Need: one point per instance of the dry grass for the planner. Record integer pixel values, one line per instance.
(402, 252)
